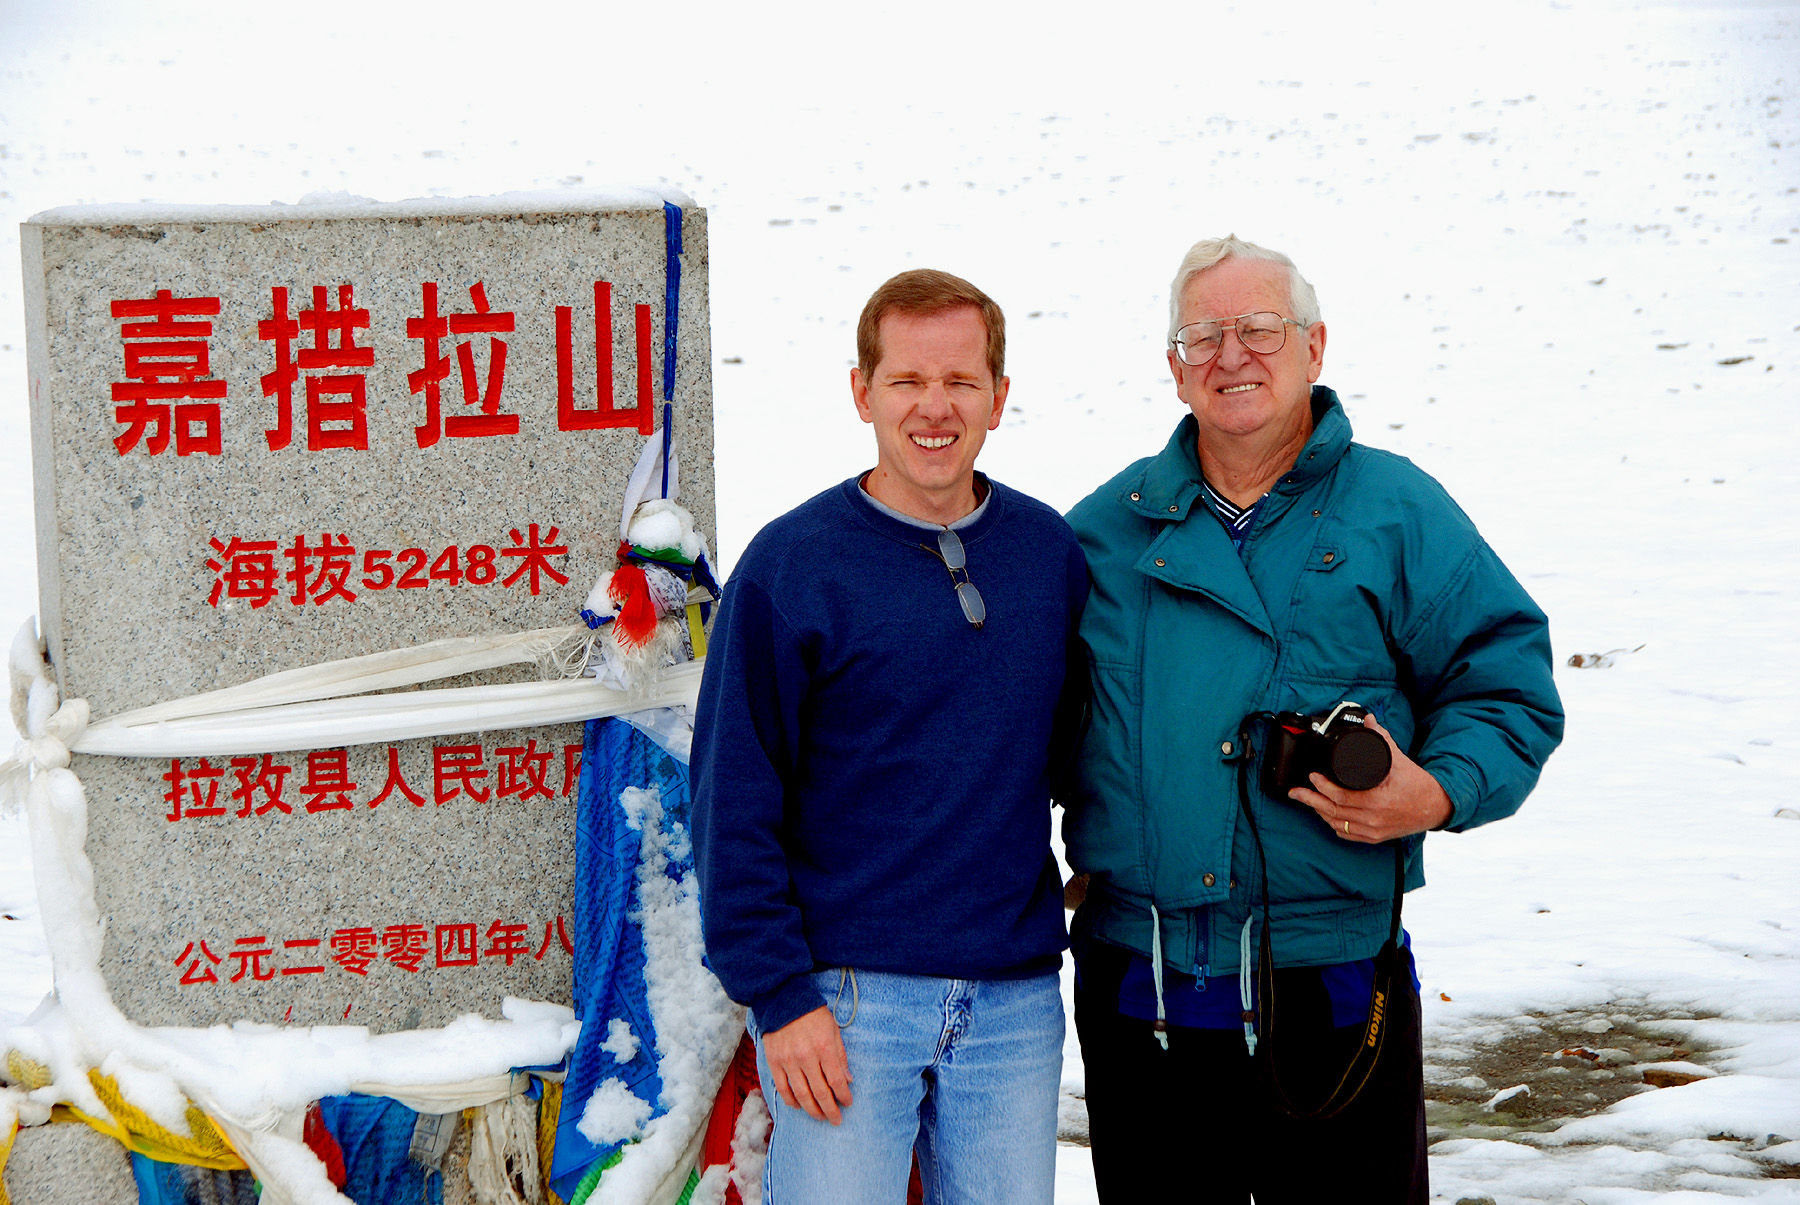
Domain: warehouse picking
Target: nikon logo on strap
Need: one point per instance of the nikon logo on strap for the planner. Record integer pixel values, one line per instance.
(1377, 1010)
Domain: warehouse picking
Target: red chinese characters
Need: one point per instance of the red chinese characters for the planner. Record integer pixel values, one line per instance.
(169, 385)
(506, 941)
(517, 773)
(406, 945)
(326, 568)
(562, 935)
(325, 352)
(522, 772)
(571, 769)
(248, 953)
(328, 786)
(534, 553)
(431, 327)
(354, 949)
(246, 569)
(302, 968)
(255, 778)
(339, 423)
(396, 781)
(360, 949)
(320, 572)
(458, 770)
(456, 945)
(606, 411)
(202, 794)
(197, 971)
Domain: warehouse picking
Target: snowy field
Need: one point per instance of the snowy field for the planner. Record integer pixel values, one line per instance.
(1558, 253)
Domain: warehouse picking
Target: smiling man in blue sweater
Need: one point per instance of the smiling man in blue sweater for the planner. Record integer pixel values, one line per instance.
(872, 774)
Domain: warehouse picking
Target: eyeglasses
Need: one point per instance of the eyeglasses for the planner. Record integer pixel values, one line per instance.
(956, 560)
(1198, 342)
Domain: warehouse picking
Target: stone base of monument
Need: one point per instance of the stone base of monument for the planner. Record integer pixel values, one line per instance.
(68, 1165)
(74, 1165)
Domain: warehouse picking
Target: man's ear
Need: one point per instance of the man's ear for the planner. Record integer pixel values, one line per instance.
(999, 402)
(859, 392)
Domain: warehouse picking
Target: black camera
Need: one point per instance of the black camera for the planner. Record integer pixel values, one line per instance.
(1334, 744)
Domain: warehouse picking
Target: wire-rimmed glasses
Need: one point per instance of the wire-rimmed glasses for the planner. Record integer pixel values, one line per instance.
(950, 550)
(1198, 343)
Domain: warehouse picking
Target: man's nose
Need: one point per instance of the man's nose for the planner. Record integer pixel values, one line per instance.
(1232, 352)
(937, 398)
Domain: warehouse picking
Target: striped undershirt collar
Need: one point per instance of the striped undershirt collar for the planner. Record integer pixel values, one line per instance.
(1236, 517)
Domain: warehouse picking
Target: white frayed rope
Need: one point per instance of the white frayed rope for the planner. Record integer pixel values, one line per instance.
(330, 705)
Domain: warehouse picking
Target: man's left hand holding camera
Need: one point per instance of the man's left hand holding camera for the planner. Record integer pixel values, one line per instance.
(1409, 800)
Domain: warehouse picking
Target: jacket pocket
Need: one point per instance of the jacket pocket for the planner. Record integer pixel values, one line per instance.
(1325, 557)
(1336, 624)
(1316, 695)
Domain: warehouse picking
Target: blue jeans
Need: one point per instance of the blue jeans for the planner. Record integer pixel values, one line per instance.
(965, 1072)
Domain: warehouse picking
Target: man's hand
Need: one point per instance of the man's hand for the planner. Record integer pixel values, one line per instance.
(807, 1062)
(1409, 800)
(1075, 892)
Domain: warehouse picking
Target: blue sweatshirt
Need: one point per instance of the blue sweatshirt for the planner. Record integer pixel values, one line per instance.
(871, 773)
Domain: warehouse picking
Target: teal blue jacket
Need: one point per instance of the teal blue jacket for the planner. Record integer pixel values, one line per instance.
(1360, 579)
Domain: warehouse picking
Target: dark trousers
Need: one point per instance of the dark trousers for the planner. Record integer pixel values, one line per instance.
(1200, 1122)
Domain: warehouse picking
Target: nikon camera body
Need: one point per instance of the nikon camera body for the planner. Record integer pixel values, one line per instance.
(1334, 744)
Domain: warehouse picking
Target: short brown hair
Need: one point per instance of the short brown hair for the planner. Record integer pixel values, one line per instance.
(924, 292)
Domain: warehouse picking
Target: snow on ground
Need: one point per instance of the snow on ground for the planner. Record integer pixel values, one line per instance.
(1557, 249)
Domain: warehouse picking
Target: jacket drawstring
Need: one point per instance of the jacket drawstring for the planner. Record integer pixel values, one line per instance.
(1161, 1029)
(1244, 986)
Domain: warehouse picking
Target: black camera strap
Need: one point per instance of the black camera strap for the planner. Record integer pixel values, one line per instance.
(1387, 967)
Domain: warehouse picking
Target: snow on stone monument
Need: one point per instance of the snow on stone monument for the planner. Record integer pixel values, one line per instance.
(270, 437)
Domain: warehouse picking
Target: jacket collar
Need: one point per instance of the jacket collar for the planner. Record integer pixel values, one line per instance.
(1170, 482)
(1330, 440)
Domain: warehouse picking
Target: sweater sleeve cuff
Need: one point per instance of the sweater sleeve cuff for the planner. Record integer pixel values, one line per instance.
(792, 1000)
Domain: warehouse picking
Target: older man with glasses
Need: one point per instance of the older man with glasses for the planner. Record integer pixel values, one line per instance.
(888, 676)
(1305, 658)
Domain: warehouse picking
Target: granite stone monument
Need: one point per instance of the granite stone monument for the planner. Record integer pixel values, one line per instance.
(269, 437)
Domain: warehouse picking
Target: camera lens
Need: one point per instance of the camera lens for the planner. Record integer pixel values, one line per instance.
(1360, 759)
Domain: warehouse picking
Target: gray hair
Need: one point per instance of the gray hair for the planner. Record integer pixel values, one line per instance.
(1210, 252)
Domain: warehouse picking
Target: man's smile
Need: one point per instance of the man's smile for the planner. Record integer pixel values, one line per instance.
(933, 441)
